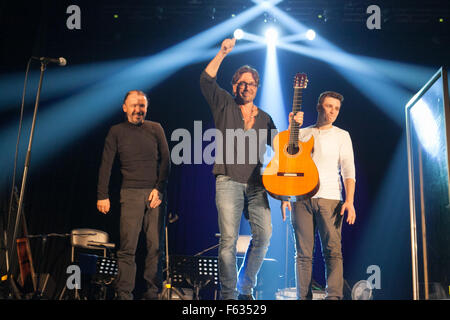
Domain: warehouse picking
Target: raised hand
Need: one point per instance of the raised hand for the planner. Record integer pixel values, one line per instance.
(227, 45)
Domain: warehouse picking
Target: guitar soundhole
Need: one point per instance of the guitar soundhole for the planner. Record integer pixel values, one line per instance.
(292, 149)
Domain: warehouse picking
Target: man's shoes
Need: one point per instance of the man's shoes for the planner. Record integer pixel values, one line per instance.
(246, 297)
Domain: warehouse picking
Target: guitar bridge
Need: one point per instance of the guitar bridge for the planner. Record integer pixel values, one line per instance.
(290, 174)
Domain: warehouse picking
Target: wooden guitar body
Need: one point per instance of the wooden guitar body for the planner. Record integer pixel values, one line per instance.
(291, 176)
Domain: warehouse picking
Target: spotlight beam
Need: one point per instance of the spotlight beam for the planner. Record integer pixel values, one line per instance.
(254, 38)
(62, 80)
(208, 55)
(372, 84)
(75, 115)
(209, 37)
(83, 76)
(369, 82)
(293, 38)
(336, 58)
(271, 36)
(289, 22)
(271, 101)
(267, 3)
(271, 93)
(408, 75)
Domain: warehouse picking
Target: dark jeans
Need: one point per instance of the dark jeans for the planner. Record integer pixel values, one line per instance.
(231, 197)
(136, 215)
(322, 215)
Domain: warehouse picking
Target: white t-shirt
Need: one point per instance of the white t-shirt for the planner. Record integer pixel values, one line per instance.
(333, 156)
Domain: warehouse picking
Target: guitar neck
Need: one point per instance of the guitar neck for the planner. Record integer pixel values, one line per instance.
(296, 107)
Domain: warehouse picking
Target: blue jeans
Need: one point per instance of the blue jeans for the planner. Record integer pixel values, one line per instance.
(231, 199)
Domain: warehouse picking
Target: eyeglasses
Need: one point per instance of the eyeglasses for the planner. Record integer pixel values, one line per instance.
(244, 84)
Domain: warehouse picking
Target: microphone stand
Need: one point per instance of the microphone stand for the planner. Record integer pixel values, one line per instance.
(27, 164)
(166, 293)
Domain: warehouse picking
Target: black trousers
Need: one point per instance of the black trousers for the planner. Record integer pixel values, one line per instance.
(136, 216)
(324, 216)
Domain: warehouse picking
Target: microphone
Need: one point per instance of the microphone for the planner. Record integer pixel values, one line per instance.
(59, 61)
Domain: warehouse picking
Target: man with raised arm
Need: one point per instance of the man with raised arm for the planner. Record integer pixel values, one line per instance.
(245, 129)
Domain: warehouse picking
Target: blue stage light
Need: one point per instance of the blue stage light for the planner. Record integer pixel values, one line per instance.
(238, 34)
(310, 34)
(271, 35)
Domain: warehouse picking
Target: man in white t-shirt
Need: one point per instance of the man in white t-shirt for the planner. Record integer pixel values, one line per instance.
(333, 156)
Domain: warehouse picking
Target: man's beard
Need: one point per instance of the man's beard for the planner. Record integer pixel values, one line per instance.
(240, 99)
(139, 116)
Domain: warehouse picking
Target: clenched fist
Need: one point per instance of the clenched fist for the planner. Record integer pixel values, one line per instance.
(227, 46)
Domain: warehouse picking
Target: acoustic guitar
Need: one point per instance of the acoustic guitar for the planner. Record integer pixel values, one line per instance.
(28, 277)
(292, 174)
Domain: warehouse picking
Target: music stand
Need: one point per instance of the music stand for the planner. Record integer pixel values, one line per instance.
(195, 271)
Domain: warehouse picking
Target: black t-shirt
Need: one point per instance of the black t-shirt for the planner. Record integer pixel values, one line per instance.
(240, 159)
(143, 154)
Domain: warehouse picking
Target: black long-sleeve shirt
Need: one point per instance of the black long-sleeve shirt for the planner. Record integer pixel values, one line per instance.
(227, 115)
(143, 154)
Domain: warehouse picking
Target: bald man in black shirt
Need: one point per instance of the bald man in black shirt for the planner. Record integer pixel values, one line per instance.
(144, 164)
